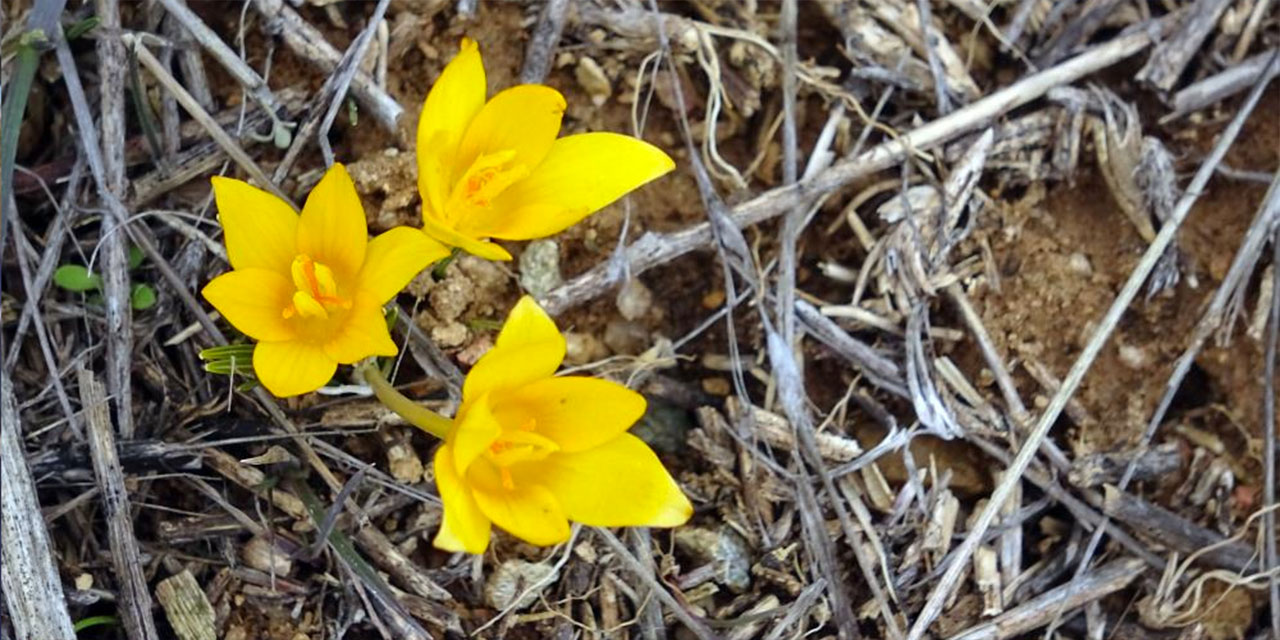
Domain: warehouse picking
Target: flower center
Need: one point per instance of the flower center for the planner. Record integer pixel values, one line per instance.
(317, 290)
(518, 445)
(487, 177)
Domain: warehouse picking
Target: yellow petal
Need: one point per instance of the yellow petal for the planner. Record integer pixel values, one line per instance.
(454, 100)
(332, 230)
(393, 259)
(618, 484)
(474, 429)
(528, 348)
(528, 323)
(574, 412)
(364, 333)
(527, 511)
(253, 301)
(464, 527)
(260, 229)
(524, 119)
(580, 175)
(474, 246)
(292, 368)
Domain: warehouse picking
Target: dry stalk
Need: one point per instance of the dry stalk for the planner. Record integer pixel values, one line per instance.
(115, 269)
(1037, 612)
(193, 108)
(135, 599)
(32, 589)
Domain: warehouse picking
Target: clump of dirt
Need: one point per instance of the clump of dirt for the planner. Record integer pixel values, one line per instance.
(1063, 253)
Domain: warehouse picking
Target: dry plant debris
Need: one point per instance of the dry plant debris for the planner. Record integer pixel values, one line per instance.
(957, 319)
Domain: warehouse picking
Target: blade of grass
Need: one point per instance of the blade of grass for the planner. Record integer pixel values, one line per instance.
(15, 104)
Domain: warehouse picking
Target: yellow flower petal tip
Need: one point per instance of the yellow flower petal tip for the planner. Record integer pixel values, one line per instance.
(310, 287)
(530, 451)
(495, 169)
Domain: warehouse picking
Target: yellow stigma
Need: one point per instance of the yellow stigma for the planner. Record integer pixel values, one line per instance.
(317, 292)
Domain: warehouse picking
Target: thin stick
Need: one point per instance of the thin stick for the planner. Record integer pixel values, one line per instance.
(54, 238)
(1250, 30)
(334, 90)
(32, 589)
(1034, 613)
(115, 269)
(200, 115)
(690, 622)
(240, 70)
(191, 63)
(309, 44)
(940, 593)
(135, 600)
(42, 335)
(537, 57)
(1269, 439)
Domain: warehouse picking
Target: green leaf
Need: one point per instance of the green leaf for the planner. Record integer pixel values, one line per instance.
(94, 621)
(81, 28)
(15, 104)
(232, 359)
(74, 277)
(142, 297)
(136, 256)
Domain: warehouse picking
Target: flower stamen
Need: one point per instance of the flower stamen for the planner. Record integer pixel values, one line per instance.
(317, 292)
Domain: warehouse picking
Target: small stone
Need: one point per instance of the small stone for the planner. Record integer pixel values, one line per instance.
(1079, 263)
(593, 80)
(624, 337)
(716, 386)
(518, 579)
(581, 348)
(449, 335)
(471, 353)
(1134, 357)
(451, 296)
(723, 547)
(259, 553)
(664, 427)
(634, 299)
(540, 267)
(404, 463)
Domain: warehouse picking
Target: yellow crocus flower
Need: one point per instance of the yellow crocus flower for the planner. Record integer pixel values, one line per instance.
(310, 288)
(496, 169)
(529, 451)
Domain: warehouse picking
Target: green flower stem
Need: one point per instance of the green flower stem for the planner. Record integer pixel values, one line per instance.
(417, 415)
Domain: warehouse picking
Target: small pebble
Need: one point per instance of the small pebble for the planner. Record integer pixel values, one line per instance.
(624, 337)
(634, 299)
(716, 386)
(449, 335)
(540, 267)
(581, 348)
(518, 579)
(1134, 357)
(721, 546)
(1079, 263)
(261, 554)
(593, 80)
